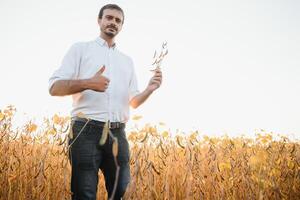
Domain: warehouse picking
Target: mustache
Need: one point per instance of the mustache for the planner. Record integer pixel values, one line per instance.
(112, 27)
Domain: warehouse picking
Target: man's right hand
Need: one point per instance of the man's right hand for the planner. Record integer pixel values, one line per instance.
(98, 82)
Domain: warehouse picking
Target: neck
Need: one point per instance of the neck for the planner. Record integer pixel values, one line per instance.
(110, 41)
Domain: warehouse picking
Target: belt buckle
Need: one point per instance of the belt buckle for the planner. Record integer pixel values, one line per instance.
(110, 125)
(113, 125)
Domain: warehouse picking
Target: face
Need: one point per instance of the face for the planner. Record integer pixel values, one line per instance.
(111, 22)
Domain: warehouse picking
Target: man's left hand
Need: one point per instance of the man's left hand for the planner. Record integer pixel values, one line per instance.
(155, 81)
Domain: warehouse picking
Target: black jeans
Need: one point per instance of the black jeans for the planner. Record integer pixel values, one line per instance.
(87, 157)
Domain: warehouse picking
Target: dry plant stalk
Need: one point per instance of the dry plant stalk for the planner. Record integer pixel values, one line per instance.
(158, 58)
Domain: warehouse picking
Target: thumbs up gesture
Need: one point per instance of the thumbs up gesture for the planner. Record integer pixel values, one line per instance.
(99, 82)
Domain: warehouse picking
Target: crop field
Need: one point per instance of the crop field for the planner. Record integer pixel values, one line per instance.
(34, 164)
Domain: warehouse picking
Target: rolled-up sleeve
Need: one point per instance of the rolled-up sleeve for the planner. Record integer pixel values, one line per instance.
(133, 86)
(69, 66)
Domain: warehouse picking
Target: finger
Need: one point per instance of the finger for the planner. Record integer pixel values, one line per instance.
(156, 79)
(157, 71)
(155, 82)
(158, 74)
(101, 70)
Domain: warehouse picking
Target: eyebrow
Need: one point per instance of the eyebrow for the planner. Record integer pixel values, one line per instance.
(110, 16)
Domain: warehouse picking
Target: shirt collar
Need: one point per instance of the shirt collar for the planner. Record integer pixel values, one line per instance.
(102, 42)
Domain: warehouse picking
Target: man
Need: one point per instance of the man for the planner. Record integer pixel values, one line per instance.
(103, 84)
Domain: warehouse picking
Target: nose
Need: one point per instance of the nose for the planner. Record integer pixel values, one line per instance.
(112, 25)
(114, 21)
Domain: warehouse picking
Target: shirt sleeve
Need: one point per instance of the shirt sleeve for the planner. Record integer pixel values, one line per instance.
(133, 86)
(68, 67)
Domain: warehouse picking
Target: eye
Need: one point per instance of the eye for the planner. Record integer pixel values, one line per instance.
(118, 20)
(109, 17)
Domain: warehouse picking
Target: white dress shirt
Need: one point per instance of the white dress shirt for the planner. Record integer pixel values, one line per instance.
(82, 61)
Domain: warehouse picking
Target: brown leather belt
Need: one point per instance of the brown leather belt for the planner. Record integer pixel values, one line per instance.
(111, 125)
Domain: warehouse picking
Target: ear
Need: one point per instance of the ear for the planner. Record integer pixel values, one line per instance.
(99, 21)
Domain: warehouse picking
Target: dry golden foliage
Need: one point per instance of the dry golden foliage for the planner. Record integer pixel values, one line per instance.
(192, 166)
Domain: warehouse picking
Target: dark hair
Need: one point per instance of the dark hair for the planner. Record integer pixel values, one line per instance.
(112, 7)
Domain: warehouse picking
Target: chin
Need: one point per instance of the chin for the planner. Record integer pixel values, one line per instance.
(111, 35)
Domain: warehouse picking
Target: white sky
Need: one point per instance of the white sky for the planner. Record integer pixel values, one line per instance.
(233, 66)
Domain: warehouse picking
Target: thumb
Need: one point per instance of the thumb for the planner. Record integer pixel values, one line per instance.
(101, 70)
